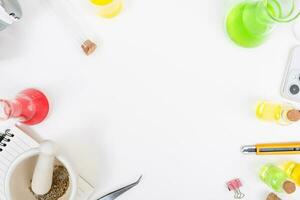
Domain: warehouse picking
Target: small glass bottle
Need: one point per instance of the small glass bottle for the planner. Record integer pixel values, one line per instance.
(277, 179)
(30, 107)
(292, 169)
(74, 21)
(275, 112)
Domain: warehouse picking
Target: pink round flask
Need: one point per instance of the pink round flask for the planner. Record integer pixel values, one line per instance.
(30, 106)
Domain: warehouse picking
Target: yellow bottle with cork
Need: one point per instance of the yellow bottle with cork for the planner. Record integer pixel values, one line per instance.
(292, 169)
(108, 8)
(275, 112)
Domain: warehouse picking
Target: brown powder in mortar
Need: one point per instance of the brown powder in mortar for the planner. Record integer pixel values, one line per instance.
(60, 184)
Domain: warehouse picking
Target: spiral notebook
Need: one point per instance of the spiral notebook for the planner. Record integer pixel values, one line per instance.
(13, 142)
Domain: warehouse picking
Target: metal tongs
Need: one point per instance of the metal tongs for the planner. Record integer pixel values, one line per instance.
(115, 194)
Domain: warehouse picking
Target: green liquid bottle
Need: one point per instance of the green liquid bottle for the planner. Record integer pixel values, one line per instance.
(277, 179)
(250, 23)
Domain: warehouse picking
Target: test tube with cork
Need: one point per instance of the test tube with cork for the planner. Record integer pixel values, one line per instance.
(73, 19)
(277, 179)
(280, 113)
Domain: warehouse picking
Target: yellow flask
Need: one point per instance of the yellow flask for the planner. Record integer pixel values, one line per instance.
(275, 112)
(108, 8)
(292, 169)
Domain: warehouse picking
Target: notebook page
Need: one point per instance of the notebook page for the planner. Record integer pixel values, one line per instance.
(14, 142)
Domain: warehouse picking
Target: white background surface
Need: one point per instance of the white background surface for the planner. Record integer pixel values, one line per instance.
(167, 95)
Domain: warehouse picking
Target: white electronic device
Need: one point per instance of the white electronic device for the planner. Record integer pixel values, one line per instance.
(290, 87)
(10, 11)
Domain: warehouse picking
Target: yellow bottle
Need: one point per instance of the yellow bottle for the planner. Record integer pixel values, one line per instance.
(101, 2)
(292, 169)
(108, 8)
(275, 112)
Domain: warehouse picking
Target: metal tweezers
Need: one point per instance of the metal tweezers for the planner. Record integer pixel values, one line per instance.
(115, 194)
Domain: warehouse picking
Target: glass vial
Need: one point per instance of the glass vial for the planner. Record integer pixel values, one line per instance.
(276, 179)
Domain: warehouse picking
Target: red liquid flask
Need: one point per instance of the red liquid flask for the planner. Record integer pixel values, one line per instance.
(30, 106)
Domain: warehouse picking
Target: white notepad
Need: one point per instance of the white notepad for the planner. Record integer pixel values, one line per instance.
(13, 142)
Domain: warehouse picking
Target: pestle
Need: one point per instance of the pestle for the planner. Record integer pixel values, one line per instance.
(43, 171)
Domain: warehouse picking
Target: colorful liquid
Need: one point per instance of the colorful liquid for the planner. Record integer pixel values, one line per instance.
(273, 176)
(108, 8)
(269, 111)
(101, 2)
(249, 24)
(293, 171)
(30, 107)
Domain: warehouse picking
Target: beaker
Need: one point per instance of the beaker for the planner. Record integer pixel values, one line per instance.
(249, 23)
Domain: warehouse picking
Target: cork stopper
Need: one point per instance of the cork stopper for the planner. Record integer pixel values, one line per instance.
(293, 115)
(289, 187)
(88, 47)
(272, 196)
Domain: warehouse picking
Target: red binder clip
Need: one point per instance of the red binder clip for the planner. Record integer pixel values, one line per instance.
(234, 185)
